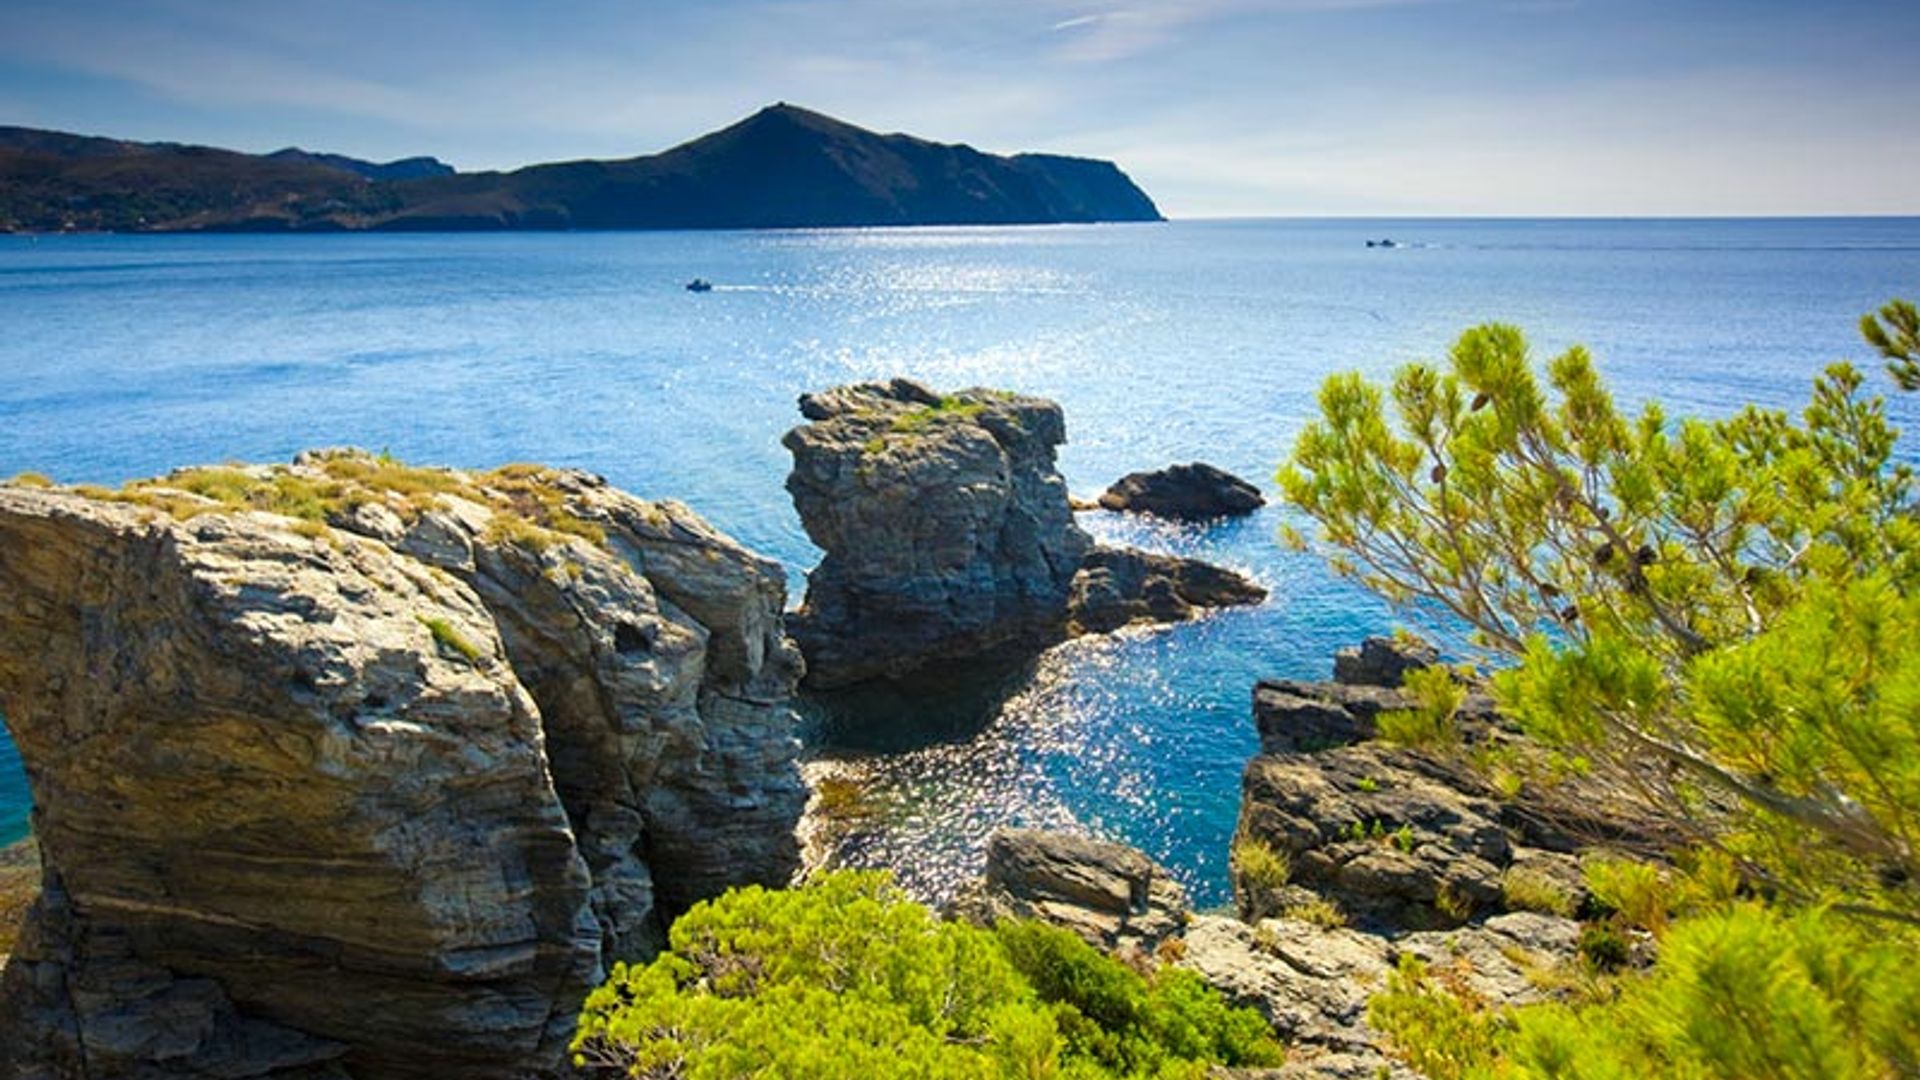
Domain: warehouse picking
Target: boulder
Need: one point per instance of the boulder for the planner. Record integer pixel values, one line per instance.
(948, 535)
(1195, 492)
(1112, 895)
(1382, 661)
(381, 790)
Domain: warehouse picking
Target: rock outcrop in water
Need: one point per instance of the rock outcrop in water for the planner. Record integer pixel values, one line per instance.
(346, 769)
(1195, 492)
(948, 535)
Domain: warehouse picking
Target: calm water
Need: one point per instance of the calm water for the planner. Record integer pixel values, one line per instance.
(125, 356)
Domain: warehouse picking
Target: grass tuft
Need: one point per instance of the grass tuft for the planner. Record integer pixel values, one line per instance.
(447, 637)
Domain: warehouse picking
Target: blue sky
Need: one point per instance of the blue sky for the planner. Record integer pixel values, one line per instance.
(1217, 107)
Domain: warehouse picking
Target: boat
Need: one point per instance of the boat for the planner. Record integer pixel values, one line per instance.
(1383, 243)
(699, 284)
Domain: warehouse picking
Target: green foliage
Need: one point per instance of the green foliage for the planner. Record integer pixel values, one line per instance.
(1437, 696)
(847, 977)
(32, 480)
(1603, 946)
(1895, 332)
(1740, 992)
(1441, 1034)
(1132, 1025)
(1638, 892)
(448, 637)
(1529, 890)
(1260, 865)
(1714, 616)
(950, 408)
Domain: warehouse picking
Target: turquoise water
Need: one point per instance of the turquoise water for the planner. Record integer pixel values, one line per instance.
(125, 356)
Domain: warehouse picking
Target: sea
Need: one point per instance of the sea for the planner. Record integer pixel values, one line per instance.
(125, 356)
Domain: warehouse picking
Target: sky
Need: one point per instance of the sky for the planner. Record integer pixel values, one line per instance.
(1216, 107)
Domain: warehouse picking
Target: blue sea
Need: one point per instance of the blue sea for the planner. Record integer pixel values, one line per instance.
(123, 357)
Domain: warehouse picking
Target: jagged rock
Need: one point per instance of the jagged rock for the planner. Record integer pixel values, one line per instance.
(1313, 982)
(944, 522)
(379, 799)
(1119, 586)
(1112, 895)
(948, 534)
(1194, 492)
(1382, 661)
(1400, 838)
(1291, 715)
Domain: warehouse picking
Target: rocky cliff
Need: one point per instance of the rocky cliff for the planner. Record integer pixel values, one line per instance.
(347, 769)
(948, 534)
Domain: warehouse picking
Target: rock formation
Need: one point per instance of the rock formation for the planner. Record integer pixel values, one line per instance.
(948, 535)
(1110, 894)
(1382, 661)
(1195, 492)
(1311, 981)
(1118, 586)
(345, 769)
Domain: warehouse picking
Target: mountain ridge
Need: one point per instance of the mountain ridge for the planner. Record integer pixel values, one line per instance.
(781, 167)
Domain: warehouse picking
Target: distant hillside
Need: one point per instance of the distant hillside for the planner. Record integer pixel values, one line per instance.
(781, 167)
(412, 168)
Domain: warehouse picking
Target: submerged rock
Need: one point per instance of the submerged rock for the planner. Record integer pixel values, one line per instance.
(382, 789)
(1110, 894)
(948, 534)
(1195, 492)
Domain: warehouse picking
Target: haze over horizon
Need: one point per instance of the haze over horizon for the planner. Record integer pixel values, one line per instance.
(1216, 107)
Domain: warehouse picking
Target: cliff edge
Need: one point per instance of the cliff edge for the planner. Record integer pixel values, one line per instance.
(349, 769)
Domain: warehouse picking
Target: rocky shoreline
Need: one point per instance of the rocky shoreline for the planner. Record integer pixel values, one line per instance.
(411, 768)
(340, 759)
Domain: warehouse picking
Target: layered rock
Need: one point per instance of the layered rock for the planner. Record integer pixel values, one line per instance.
(1119, 586)
(1397, 838)
(1313, 982)
(948, 534)
(1310, 981)
(1110, 894)
(1382, 661)
(1195, 492)
(378, 790)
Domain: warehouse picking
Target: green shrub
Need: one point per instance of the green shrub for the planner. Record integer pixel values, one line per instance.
(1604, 947)
(1745, 991)
(1260, 864)
(1638, 891)
(1530, 890)
(846, 977)
(1437, 696)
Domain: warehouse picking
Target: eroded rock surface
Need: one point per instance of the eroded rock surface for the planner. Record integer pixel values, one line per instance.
(1120, 586)
(1397, 838)
(381, 790)
(948, 534)
(1382, 661)
(1112, 895)
(1195, 492)
(1310, 981)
